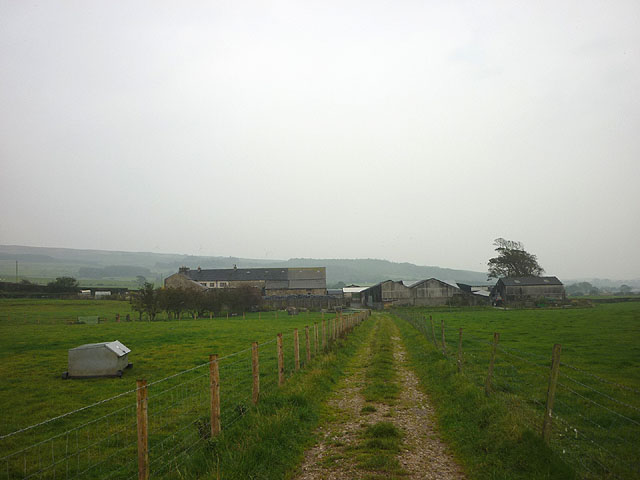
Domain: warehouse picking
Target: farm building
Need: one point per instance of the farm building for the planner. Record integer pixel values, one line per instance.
(386, 293)
(352, 294)
(271, 281)
(523, 289)
(431, 292)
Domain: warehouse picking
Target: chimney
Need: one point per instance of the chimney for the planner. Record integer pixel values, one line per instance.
(183, 270)
(199, 269)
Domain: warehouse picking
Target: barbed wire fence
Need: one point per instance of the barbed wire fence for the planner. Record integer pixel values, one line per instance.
(154, 427)
(595, 421)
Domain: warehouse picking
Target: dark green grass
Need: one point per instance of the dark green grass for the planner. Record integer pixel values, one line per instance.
(377, 450)
(380, 375)
(268, 442)
(484, 432)
(34, 356)
(597, 408)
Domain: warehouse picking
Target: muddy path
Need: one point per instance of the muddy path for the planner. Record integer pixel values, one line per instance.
(338, 453)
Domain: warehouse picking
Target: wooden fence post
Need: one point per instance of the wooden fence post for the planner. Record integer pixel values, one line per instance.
(280, 361)
(433, 332)
(444, 343)
(143, 430)
(487, 383)
(296, 349)
(460, 352)
(307, 343)
(255, 370)
(551, 393)
(315, 338)
(324, 335)
(214, 386)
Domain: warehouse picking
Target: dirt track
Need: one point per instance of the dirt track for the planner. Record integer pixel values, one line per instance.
(423, 455)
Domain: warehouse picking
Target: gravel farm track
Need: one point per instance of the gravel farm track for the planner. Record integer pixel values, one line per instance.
(422, 454)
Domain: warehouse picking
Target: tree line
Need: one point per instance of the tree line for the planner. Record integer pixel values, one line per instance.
(176, 301)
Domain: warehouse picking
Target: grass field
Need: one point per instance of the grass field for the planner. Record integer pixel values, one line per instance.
(34, 355)
(598, 395)
(597, 408)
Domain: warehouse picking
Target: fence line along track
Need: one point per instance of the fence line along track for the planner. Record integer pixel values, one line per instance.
(176, 412)
(595, 431)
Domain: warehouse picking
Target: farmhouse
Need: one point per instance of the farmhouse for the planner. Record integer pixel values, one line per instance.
(523, 289)
(271, 281)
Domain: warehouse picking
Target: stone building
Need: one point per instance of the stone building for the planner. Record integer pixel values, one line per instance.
(434, 292)
(431, 292)
(271, 281)
(527, 289)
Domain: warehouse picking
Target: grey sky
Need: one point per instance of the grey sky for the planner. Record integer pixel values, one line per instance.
(411, 131)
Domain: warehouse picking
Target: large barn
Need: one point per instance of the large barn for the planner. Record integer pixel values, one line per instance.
(271, 281)
(431, 292)
(527, 289)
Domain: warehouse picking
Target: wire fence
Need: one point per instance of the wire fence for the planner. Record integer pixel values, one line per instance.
(595, 421)
(102, 440)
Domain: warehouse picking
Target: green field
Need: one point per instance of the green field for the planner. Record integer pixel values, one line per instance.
(35, 338)
(597, 406)
(598, 398)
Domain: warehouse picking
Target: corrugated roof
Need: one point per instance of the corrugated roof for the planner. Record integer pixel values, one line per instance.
(238, 274)
(528, 281)
(353, 289)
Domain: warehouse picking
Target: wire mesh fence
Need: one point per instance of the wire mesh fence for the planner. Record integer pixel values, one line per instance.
(595, 421)
(103, 440)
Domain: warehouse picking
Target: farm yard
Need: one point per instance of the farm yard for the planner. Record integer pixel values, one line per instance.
(595, 428)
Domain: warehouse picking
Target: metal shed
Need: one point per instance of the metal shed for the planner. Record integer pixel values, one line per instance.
(106, 359)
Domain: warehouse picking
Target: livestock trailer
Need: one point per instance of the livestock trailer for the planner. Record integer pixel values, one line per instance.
(106, 359)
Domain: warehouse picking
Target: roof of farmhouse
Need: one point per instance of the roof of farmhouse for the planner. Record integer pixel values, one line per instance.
(253, 274)
(528, 281)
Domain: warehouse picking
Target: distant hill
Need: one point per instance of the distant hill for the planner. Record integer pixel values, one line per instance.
(43, 262)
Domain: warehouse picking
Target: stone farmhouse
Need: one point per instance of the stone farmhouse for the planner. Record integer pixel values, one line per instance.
(271, 281)
(527, 289)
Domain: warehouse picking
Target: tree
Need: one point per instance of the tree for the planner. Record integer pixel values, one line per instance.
(63, 284)
(146, 300)
(513, 261)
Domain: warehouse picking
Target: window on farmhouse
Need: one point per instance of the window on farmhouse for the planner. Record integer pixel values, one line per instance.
(223, 284)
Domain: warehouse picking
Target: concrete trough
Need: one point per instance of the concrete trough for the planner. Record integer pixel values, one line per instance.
(106, 359)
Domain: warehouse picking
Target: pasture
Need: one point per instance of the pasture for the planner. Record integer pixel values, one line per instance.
(596, 415)
(596, 418)
(35, 337)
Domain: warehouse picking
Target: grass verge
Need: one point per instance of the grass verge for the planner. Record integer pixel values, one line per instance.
(484, 432)
(269, 440)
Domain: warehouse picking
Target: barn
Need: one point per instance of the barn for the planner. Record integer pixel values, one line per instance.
(527, 289)
(434, 292)
(430, 292)
(385, 294)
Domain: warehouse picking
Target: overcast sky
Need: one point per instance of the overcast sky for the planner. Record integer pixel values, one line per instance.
(411, 131)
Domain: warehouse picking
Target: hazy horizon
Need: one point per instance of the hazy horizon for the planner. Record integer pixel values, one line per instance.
(410, 132)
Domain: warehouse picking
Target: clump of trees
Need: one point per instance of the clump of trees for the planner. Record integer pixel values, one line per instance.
(177, 301)
(63, 285)
(585, 288)
(513, 261)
